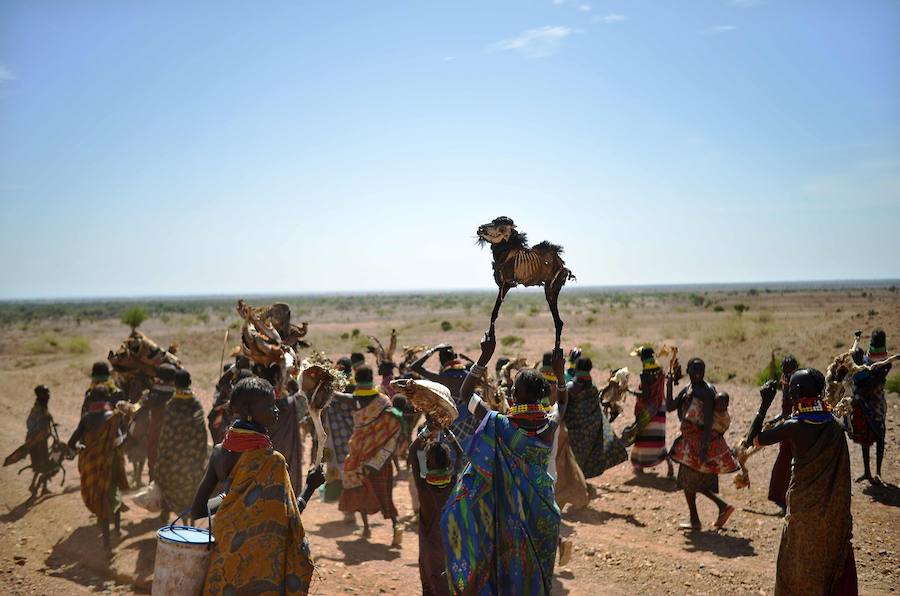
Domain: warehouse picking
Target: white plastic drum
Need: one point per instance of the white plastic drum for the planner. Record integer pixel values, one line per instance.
(182, 558)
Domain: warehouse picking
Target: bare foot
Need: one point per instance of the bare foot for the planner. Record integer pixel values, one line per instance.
(398, 537)
(366, 533)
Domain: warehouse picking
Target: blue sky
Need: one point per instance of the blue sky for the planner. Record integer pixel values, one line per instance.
(228, 147)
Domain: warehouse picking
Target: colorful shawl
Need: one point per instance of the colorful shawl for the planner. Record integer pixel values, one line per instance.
(182, 451)
(501, 523)
(339, 422)
(648, 433)
(102, 468)
(260, 547)
(686, 448)
(376, 431)
(595, 446)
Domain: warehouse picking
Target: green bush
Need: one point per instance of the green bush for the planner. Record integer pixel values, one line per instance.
(719, 308)
(892, 385)
(763, 375)
(511, 341)
(51, 344)
(740, 308)
(134, 316)
(446, 326)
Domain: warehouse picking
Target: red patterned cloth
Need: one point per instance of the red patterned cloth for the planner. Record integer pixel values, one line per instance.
(376, 434)
(686, 449)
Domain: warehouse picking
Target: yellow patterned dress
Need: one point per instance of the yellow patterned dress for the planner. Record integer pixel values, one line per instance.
(261, 547)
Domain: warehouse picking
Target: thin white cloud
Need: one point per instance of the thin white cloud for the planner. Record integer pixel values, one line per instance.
(449, 58)
(6, 74)
(535, 43)
(745, 3)
(719, 29)
(584, 7)
(609, 19)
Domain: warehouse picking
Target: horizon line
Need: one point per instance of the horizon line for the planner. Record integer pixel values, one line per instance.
(638, 288)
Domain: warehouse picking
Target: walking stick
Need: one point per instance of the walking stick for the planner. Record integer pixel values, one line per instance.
(224, 346)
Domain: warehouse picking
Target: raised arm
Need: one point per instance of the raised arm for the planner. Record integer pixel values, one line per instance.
(476, 406)
(559, 369)
(673, 404)
(418, 366)
(767, 394)
(780, 433)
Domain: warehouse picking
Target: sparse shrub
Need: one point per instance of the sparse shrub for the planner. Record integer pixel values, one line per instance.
(764, 318)
(354, 333)
(763, 375)
(696, 299)
(740, 308)
(510, 341)
(892, 385)
(719, 308)
(51, 344)
(134, 316)
(345, 336)
(872, 312)
(753, 292)
(446, 326)
(591, 320)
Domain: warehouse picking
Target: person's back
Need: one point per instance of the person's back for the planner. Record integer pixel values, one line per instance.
(815, 555)
(500, 526)
(261, 546)
(182, 448)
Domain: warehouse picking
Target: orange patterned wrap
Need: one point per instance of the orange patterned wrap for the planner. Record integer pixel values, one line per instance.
(260, 544)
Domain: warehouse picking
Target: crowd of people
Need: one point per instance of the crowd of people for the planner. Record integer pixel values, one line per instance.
(488, 489)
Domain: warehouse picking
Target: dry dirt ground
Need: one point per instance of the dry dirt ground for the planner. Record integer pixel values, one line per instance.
(628, 538)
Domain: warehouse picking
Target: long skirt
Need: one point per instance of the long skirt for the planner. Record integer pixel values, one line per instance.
(374, 495)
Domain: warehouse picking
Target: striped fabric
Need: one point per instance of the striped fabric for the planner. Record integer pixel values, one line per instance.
(650, 444)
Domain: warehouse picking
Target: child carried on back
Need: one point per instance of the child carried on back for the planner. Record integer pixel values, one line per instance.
(721, 417)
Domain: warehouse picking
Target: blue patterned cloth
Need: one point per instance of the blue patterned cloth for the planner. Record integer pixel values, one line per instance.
(500, 526)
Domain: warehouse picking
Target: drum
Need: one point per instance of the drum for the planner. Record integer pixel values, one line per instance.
(182, 559)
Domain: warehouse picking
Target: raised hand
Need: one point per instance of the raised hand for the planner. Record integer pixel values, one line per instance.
(315, 477)
(768, 391)
(488, 345)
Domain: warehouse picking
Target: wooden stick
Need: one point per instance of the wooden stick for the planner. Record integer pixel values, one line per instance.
(224, 346)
